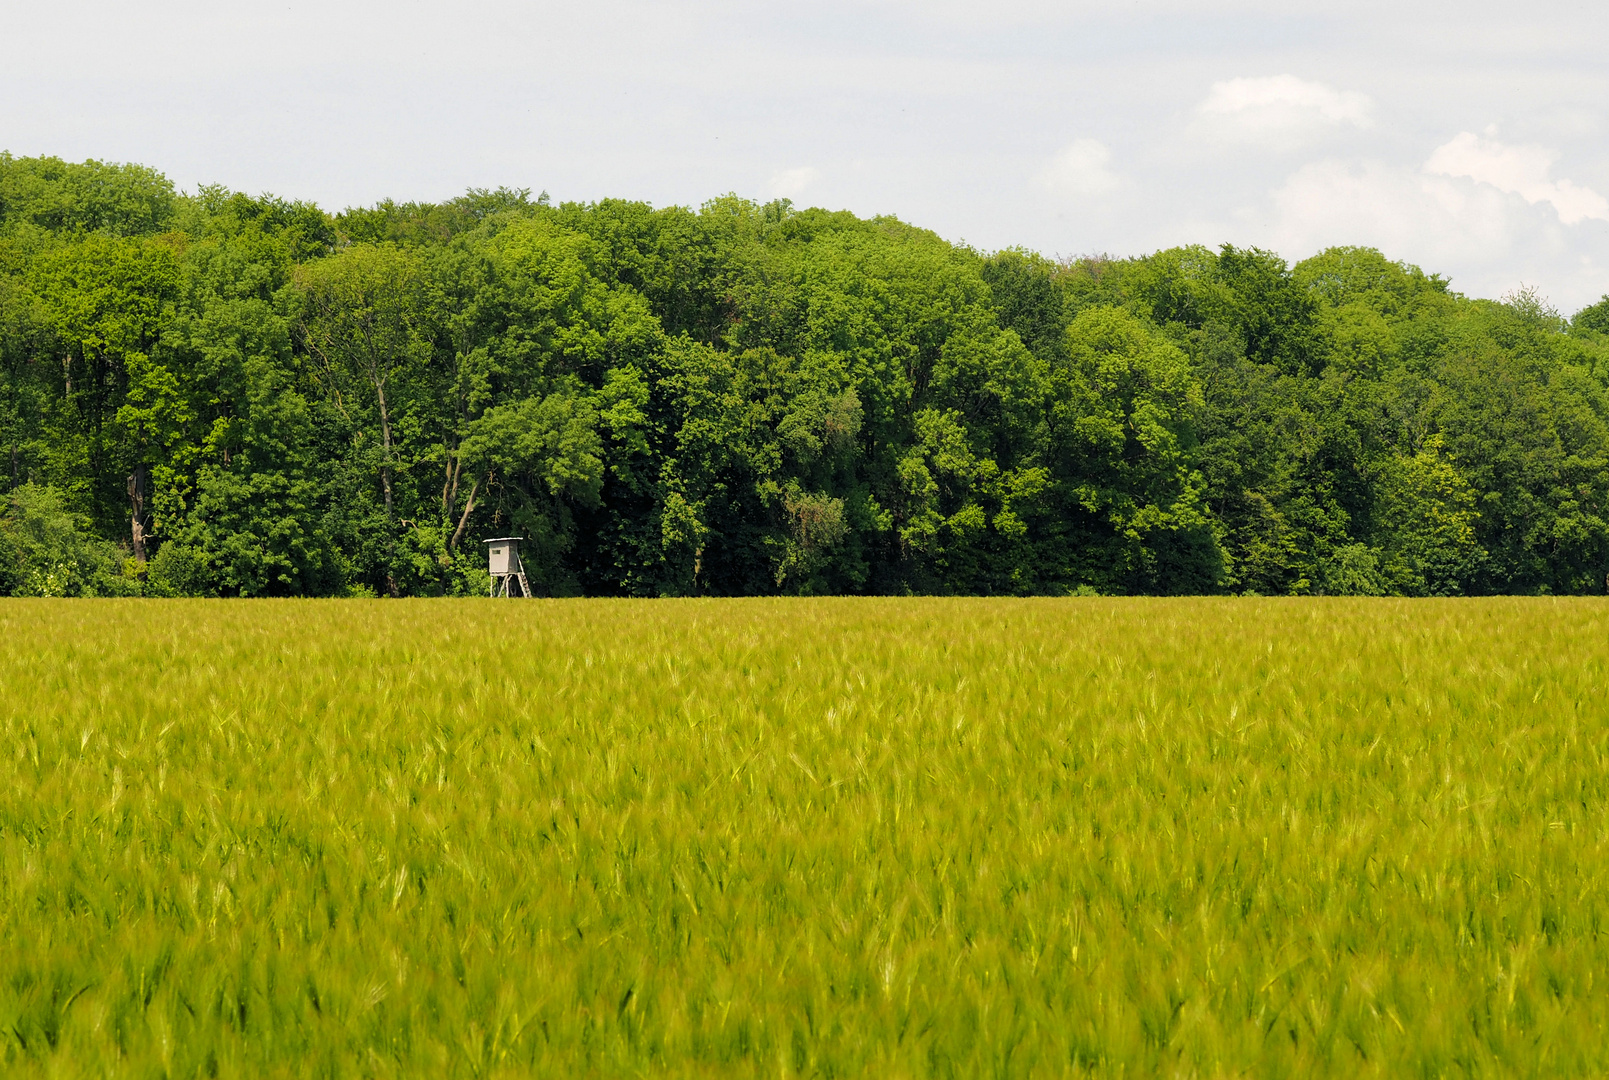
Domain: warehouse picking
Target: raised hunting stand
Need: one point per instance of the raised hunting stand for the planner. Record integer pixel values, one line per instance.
(503, 560)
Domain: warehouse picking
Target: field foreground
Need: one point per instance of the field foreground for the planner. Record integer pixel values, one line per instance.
(827, 838)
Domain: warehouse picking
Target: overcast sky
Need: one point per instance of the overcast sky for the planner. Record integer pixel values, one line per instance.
(1467, 137)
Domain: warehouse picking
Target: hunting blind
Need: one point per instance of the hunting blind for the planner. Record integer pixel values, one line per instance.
(503, 560)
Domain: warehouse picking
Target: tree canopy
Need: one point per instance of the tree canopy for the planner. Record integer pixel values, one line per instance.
(215, 394)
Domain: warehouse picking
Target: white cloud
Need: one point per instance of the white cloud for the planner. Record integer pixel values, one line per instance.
(792, 183)
(1488, 239)
(1281, 108)
(1519, 170)
(1080, 170)
(1403, 212)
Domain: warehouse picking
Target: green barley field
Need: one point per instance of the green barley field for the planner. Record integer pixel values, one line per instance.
(828, 838)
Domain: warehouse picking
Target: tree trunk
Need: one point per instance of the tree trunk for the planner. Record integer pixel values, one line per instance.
(385, 482)
(385, 441)
(449, 489)
(469, 504)
(136, 499)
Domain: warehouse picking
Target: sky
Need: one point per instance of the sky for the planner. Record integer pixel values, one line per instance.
(1469, 138)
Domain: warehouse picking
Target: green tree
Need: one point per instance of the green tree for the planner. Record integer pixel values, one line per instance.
(100, 197)
(1426, 521)
(51, 551)
(529, 326)
(365, 319)
(107, 303)
(1122, 438)
(1532, 439)
(1593, 318)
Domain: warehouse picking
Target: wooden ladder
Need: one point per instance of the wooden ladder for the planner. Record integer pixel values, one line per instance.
(500, 587)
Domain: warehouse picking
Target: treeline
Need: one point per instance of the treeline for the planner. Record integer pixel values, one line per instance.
(215, 394)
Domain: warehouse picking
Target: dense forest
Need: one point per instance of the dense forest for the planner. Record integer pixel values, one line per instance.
(222, 395)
